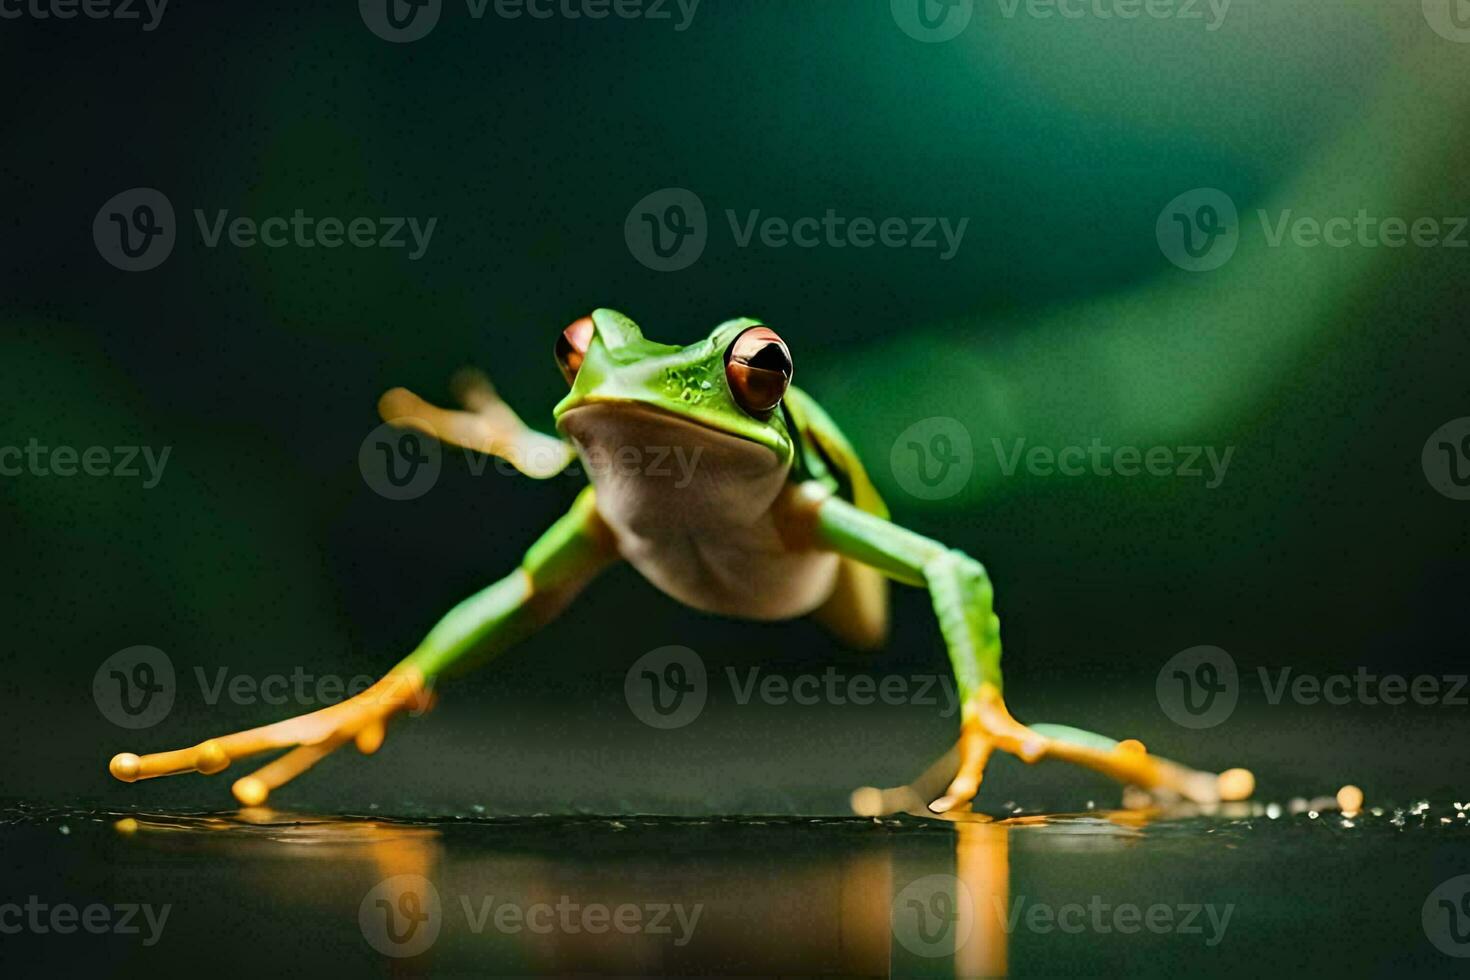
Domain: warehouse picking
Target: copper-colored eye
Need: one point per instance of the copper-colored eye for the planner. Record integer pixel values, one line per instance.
(758, 368)
(572, 346)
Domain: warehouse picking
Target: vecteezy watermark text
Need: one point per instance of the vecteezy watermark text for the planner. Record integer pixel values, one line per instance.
(1099, 459)
(833, 230)
(1200, 230)
(136, 229)
(1200, 687)
(136, 687)
(307, 231)
(667, 230)
(936, 915)
(400, 460)
(38, 459)
(402, 21)
(933, 21)
(402, 916)
(64, 918)
(1211, 13)
(149, 12)
(934, 458)
(668, 687)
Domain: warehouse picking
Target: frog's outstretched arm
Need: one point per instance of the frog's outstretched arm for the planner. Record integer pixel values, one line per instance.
(488, 425)
(962, 597)
(553, 571)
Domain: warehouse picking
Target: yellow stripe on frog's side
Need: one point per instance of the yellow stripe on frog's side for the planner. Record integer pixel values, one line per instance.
(857, 612)
(816, 428)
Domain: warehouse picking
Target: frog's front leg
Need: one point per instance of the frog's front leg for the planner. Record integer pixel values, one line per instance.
(962, 596)
(488, 425)
(553, 571)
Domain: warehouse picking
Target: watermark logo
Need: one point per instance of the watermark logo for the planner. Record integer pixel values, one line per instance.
(40, 460)
(302, 230)
(138, 687)
(1206, 920)
(135, 230)
(1363, 687)
(399, 460)
(400, 21)
(1446, 459)
(932, 21)
(572, 917)
(63, 918)
(933, 916)
(1186, 462)
(666, 688)
(1450, 19)
(1210, 13)
(134, 688)
(933, 458)
(835, 688)
(150, 14)
(1198, 687)
(1199, 230)
(1446, 917)
(401, 916)
(667, 230)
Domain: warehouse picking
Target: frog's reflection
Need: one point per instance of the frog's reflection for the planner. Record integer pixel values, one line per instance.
(631, 896)
(389, 848)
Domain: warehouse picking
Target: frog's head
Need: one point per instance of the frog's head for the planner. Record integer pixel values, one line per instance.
(717, 400)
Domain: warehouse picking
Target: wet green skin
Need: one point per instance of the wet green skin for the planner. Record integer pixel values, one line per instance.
(689, 382)
(827, 504)
(620, 365)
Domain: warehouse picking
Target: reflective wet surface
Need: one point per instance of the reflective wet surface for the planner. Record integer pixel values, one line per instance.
(1156, 892)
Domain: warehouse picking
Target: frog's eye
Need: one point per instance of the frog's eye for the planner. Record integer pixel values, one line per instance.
(758, 368)
(572, 346)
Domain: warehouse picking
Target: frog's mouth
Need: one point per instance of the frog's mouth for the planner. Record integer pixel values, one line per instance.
(629, 426)
(596, 420)
(656, 471)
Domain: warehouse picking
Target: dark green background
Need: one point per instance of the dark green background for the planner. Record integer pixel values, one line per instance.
(263, 549)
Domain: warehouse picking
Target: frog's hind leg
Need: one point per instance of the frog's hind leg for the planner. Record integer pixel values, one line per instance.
(489, 622)
(317, 734)
(960, 590)
(952, 780)
(913, 797)
(857, 611)
(487, 425)
(1128, 761)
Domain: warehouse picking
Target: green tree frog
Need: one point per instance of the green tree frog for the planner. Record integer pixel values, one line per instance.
(775, 519)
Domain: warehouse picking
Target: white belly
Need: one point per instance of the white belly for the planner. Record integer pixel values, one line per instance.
(691, 510)
(747, 574)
